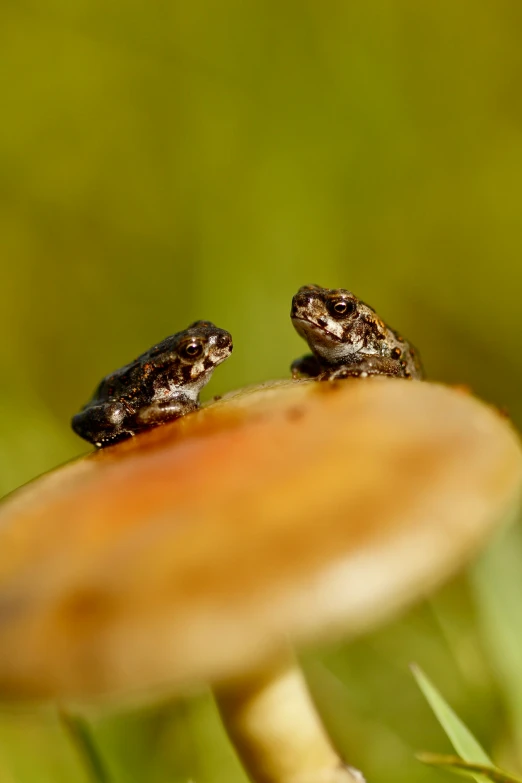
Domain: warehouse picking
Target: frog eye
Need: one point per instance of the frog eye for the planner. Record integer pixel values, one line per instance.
(341, 308)
(191, 350)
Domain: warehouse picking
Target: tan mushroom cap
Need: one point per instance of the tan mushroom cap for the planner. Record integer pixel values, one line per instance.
(194, 552)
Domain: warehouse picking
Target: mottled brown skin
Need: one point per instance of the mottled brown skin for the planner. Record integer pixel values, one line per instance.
(160, 385)
(347, 338)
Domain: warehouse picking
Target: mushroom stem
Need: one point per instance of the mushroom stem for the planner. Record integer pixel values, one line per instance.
(274, 726)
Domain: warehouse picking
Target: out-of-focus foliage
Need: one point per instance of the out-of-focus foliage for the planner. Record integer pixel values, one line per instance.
(167, 161)
(458, 733)
(473, 761)
(479, 772)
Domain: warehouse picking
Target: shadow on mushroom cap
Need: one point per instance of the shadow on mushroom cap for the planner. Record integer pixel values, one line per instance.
(192, 553)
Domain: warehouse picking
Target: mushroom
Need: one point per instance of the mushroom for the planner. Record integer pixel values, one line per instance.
(207, 550)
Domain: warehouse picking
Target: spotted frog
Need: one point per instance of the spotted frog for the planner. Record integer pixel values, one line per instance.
(160, 385)
(347, 338)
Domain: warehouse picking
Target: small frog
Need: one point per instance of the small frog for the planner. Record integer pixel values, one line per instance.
(160, 385)
(347, 338)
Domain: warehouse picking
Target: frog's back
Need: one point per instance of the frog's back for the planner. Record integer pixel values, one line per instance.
(418, 370)
(118, 384)
(125, 382)
(411, 360)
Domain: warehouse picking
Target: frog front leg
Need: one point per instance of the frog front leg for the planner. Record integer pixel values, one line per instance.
(363, 367)
(305, 367)
(103, 423)
(162, 411)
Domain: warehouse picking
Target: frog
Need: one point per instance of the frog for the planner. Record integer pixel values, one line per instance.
(162, 384)
(348, 338)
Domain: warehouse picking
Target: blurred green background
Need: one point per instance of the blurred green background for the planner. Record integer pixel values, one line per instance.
(168, 161)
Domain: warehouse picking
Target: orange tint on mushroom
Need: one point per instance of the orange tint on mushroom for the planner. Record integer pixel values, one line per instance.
(195, 553)
(191, 553)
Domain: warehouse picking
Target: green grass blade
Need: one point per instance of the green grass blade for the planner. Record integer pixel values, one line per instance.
(459, 735)
(78, 730)
(461, 767)
(497, 582)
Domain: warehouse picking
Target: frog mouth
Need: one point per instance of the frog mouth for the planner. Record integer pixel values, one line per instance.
(304, 324)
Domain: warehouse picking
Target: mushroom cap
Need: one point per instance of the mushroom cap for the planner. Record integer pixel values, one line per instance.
(193, 553)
